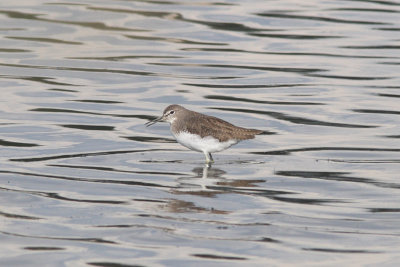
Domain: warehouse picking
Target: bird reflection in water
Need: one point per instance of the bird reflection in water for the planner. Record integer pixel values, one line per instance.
(209, 181)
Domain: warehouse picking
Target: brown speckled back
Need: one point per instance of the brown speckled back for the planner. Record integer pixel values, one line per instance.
(205, 125)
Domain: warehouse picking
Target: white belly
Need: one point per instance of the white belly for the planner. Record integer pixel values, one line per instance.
(207, 144)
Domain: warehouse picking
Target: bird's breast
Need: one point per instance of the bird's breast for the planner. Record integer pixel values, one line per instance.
(207, 144)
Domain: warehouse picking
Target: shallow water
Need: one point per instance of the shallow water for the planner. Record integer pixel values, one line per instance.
(84, 183)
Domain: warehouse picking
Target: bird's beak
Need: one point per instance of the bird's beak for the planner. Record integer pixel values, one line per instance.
(149, 123)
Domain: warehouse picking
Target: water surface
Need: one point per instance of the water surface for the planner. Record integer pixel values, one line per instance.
(84, 183)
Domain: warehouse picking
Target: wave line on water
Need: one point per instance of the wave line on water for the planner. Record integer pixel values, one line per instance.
(230, 66)
(306, 149)
(16, 144)
(234, 50)
(115, 170)
(242, 99)
(336, 176)
(296, 120)
(82, 179)
(317, 18)
(88, 154)
(81, 239)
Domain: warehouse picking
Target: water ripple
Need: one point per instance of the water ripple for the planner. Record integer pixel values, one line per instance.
(84, 182)
(219, 257)
(171, 40)
(39, 79)
(99, 168)
(80, 179)
(244, 86)
(226, 26)
(63, 110)
(79, 239)
(18, 216)
(35, 17)
(377, 111)
(88, 127)
(16, 144)
(337, 176)
(301, 54)
(261, 68)
(44, 40)
(306, 149)
(242, 99)
(296, 120)
(88, 154)
(318, 18)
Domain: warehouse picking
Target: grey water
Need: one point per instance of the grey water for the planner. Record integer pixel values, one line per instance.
(84, 183)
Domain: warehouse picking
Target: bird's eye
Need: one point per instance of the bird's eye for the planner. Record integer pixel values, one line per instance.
(171, 112)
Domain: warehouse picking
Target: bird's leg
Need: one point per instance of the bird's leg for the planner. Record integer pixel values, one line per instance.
(212, 160)
(209, 158)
